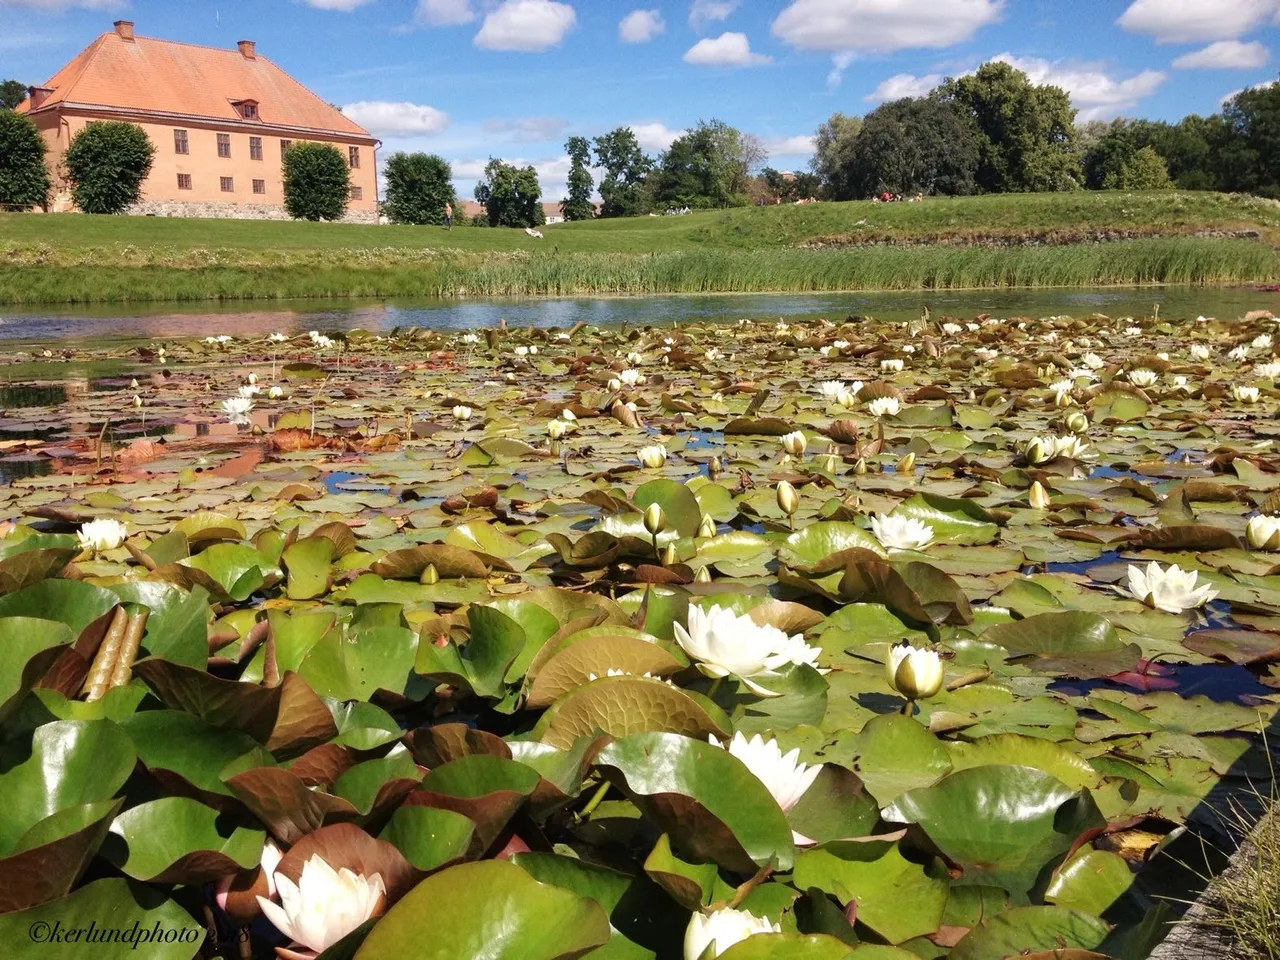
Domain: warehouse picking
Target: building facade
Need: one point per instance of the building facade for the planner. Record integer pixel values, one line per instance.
(220, 121)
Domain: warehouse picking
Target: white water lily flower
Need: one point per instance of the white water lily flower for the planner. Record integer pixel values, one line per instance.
(1262, 342)
(1062, 386)
(1071, 447)
(1170, 589)
(986, 354)
(277, 338)
(1198, 351)
(631, 377)
(797, 651)
(568, 414)
(1266, 371)
(250, 391)
(909, 348)
(795, 443)
(521, 351)
(325, 905)
(721, 930)
(1143, 377)
(713, 354)
(557, 429)
(783, 775)
(825, 351)
(653, 456)
(237, 409)
(831, 389)
(726, 644)
(1133, 331)
(1077, 373)
(470, 338)
(1244, 394)
(901, 533)
(1263, 532)
(951, 329)
(101, 534)
(893, 365)
(916, 674)
(275, 393)
(884, 407)
(462, 412)
(1093, 361)
(1239, 354)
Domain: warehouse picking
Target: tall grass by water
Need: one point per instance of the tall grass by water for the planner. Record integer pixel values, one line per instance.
(1159, 261)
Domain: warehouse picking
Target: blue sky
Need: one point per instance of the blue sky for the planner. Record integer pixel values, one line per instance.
(471, 79)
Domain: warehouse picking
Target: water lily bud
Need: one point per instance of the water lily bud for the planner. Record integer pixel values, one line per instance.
(715, 467)
(788, 499)
(703, 575)
(137, 400)
(795, 443)
(1062, 398)
(429, 574)
(655, 521)
(860, 467)
(916, 674)
(1039, 497)
(1077, 421)
(1037, 452)
(907, 463)
(1263, 532)
(827, 463)
(707, 528)
(253, 378)
(615, 384)
(669, 556)
(133, 384)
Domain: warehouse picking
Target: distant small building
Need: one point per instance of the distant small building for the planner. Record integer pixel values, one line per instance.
(220, 121)
(550, 210)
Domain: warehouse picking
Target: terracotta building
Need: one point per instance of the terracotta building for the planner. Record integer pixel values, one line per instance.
(220, 121)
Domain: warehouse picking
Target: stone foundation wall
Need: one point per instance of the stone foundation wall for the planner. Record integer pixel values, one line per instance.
(231, 211)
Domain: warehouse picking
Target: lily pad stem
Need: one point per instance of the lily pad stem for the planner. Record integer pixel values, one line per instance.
(594, 801)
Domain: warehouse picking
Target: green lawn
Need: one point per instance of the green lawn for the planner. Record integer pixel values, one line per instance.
(752, 227)
(76, 258)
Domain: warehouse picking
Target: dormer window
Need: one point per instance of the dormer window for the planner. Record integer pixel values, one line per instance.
(248, 109)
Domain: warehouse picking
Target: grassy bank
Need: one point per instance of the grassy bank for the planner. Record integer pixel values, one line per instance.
(697, 271)
(998, 241)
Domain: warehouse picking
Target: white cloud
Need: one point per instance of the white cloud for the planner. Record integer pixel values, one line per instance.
(1196, 21)
(526, 25)
(882, 26)
(529, 129)
(384, 118)
(726, 50)
(703, 12)
(444, 13)
(641, 26)
(1095, 92)
(903, 85)
(654, 137)
(799, 146)
(1225, 55)
(1235, 93)
(344, 6)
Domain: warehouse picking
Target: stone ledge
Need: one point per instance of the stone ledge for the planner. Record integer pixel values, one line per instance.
(231, 211)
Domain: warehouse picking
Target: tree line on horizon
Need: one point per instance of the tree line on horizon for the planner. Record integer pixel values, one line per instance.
(993, 131)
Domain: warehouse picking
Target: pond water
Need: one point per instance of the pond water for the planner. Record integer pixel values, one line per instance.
(241, 319)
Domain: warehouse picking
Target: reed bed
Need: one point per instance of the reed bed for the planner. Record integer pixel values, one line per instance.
(1184, 261)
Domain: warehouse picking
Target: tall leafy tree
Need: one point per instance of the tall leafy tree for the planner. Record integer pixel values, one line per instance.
(832, 160)
(12, 93)
(511, 195)
(1247, 154)
(706, 167)
(418, 187)
(317, 182)
(1025, 133)
(1146, 170)
(913, 146)
(24, 176)
(623, 190)
(577, 205)
(107, 163)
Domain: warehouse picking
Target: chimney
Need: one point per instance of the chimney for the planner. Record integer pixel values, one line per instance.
(38, 96)
(247, 49)
(124, 29)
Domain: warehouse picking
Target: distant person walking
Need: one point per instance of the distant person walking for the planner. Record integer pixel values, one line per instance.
(448, 216)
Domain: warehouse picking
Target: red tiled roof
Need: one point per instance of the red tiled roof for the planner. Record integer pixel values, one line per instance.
(163, 76)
